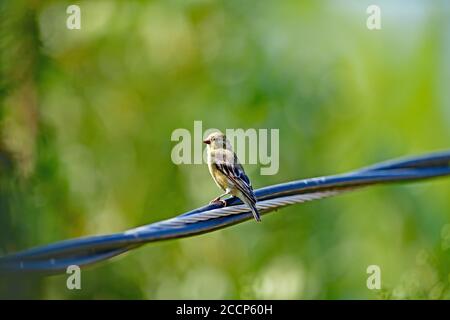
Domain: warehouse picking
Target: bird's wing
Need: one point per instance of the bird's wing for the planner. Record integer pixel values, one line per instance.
(228, 164)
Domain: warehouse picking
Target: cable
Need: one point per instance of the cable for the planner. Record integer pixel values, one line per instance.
(55, 258)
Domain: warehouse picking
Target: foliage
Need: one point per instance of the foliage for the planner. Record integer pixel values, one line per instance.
(86, 118)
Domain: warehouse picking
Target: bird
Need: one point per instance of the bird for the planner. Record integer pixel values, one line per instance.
(228, 173)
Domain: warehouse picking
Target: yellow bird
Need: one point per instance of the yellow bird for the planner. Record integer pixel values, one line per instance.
(228, 173)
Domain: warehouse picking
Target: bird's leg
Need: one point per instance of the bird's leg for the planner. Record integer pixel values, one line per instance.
(218, 199)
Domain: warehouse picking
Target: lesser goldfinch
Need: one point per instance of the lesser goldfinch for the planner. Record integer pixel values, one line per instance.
(228, 173)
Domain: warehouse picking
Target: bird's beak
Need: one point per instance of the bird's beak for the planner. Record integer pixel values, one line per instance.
(207, 141)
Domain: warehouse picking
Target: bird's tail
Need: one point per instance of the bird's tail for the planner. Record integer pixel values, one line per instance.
(252, 206)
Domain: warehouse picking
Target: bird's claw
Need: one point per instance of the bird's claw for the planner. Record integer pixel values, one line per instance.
(217, 201)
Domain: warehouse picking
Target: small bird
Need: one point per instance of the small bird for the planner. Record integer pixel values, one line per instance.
(228, 173)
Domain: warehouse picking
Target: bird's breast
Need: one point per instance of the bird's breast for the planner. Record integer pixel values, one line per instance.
(219, 178)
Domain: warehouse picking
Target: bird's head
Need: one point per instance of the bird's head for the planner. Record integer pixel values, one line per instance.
(217, 140)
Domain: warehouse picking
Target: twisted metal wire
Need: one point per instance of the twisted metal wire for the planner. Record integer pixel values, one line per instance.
(55, 258)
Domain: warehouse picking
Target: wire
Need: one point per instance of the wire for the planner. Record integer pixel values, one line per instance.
(55, 258)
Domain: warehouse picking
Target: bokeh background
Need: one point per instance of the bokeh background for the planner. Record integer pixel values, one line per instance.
(86, 118)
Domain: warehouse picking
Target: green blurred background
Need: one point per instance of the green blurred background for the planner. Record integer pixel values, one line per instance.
(86, 118)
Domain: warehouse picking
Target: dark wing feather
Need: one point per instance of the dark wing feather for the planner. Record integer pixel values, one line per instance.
(236, 174)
